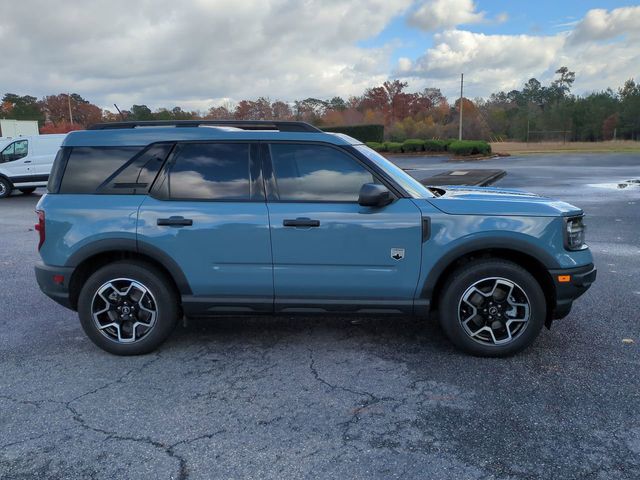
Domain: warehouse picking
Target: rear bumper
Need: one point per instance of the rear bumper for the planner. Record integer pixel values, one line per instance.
(579, 281)
(57, 291)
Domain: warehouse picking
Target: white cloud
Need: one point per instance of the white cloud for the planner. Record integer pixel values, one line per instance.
(199, 53)
(434, 15)
(504, 62)
(599, 24)
(490, 62)
(167, 53)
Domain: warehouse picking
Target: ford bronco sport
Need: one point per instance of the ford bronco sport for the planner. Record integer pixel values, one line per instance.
(147, 222)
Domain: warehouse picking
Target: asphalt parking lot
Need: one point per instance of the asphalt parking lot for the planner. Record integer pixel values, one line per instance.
(328, 397)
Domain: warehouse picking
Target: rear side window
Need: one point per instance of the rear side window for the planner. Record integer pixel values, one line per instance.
(110, 170)
(88, 167)
(211, 171)
(317, 173)
(57, 170)
(137, 174)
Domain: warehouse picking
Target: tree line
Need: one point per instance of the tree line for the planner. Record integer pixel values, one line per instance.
(535, 112)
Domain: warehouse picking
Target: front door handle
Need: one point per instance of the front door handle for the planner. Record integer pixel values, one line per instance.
(175, 222)
(27, 161)
(301, 222)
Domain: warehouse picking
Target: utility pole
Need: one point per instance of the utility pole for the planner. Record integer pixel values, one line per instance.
(460, 126)
(70, 114)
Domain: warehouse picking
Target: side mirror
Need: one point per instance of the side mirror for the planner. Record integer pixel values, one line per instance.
(374, 195)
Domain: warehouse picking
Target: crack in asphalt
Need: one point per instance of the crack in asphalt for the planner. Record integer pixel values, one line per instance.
(35, 403)
(78, 418)
(168, 449)
(356, 412)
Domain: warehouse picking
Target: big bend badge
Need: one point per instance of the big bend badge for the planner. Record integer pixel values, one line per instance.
(397, 253)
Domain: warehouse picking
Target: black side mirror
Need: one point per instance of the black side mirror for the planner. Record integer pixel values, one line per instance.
(374, 195)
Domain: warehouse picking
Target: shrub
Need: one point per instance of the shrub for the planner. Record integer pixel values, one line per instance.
(413, 145)
(364, 133)
(374, 145)
(393, 147)
(436, 145)
(469, 147)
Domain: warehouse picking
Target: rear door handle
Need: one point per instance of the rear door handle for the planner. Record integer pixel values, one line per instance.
(175, 222)
(301, 222)
(27, 161)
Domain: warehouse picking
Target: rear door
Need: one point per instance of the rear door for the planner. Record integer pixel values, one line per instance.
(207, 211)
(43, 154)
(330, 253)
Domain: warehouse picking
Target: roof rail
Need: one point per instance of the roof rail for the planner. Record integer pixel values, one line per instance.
(283, 126)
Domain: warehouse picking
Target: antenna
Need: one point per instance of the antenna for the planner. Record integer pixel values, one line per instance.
(121, 115)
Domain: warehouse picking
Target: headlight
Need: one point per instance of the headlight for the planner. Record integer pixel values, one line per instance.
(574, 233)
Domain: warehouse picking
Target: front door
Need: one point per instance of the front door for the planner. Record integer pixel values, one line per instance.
(330, 253)
(16, 163)
(207, 212)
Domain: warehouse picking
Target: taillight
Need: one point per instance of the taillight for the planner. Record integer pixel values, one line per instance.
(40, 227)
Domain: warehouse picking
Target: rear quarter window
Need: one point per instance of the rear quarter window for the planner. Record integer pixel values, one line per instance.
(111, 170)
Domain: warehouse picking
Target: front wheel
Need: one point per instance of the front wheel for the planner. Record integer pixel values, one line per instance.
(128, 308)
(492, 308)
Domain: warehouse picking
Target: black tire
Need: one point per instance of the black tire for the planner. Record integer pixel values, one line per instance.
(453, 309)
(27, 190)
(5, 188)
(162, 296)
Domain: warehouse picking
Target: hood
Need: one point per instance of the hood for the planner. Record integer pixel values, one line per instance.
(499, 201)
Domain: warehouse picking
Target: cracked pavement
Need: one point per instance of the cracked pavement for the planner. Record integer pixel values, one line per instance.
(316, 397)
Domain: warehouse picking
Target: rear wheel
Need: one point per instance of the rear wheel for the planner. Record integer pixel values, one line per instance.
(27, 190)
(492, 308)
(128, 308)
(5, 188)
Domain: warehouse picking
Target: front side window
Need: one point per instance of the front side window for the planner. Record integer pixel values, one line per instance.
(307, 172)
(210, 171)
(15, 151)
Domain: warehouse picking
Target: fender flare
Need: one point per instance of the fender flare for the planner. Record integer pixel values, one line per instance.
(478, 244)
(134, 246)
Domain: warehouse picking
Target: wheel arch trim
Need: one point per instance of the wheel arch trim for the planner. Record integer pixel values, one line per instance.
(515, 246)
(135, 247)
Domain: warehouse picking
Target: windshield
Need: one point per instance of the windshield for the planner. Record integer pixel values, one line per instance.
(406, 181)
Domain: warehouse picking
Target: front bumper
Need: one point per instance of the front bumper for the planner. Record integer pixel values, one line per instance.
(55, 290)
(576, 282)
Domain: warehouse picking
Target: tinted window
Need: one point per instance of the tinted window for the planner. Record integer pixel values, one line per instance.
(137, 174)
(317, 173)
(58, 169)
(210, 171)
(14, 151)
(88, 167)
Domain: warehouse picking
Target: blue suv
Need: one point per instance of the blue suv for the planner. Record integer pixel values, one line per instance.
(147, 222)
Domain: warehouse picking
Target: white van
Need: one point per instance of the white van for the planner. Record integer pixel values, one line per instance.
(25, 162)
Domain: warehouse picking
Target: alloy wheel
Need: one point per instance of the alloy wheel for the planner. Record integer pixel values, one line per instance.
(124, 310)
(494, 311)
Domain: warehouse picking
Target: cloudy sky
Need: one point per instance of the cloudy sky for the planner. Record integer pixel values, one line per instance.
(198, 53)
